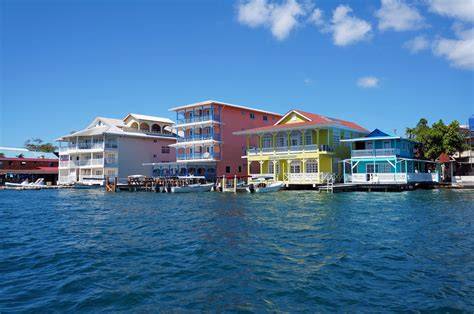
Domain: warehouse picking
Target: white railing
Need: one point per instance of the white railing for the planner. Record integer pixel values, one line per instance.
(423, 177)
(88, 146)
(390, 178)
(288, 149)
(67, 179)
(375, 152)
(302, 178)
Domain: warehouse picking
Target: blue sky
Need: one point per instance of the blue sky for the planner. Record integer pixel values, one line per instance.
(381, 64)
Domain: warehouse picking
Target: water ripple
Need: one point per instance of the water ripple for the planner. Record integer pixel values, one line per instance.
(89, 251)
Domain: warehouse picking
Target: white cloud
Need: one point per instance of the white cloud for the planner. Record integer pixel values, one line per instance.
(317, 17)
(417, 44)
(254, 13)
(281, 18)
(368, 82)
(348, 29)
(459, 9)
(308, 81)
(460, 51)
(397, 15)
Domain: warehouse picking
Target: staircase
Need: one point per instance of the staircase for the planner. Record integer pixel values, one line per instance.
(329, 187)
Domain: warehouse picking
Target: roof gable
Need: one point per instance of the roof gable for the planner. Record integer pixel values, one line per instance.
(377, 133)
(293, 116)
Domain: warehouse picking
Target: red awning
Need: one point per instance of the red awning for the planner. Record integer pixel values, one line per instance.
(38, 170)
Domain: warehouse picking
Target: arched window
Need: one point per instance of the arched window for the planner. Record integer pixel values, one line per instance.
(144, 126)
(156, 128)
(295, 166)
(134, 125)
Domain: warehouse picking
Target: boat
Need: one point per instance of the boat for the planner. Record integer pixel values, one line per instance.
(25, 185)
(264, 185)
(192, 184)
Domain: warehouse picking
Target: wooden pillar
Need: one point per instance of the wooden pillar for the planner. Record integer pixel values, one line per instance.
(261, 166)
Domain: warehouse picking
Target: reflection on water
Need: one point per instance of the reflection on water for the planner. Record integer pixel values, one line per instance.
(69, 250)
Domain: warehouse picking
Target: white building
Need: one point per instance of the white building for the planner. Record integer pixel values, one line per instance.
(114, 147)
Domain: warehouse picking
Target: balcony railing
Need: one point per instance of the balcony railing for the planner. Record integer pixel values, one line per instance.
(194, 156)
(194, 119)
(391, 178)
(375, 152)
(289, 149)
(199, 137)
(86, 146)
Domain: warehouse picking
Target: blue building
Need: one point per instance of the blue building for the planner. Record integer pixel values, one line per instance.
(386, 159)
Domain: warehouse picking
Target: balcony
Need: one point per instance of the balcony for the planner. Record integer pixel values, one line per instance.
(198, 156)
(198, 119)
(289, 149)
(88, 146)
(199, 137)
(390, 178)
(383, 152)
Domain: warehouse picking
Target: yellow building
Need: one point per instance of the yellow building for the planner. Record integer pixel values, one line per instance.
(301, 148)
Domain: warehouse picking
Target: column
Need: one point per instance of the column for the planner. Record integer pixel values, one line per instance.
(288, 140)
(274, 136)
(261, 166)
(275, 174)
(249, 162)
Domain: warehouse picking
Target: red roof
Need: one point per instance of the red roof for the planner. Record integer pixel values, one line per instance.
(29, 159)
(37, 170)
(314, 119)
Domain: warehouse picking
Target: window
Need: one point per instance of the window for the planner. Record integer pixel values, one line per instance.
(336, 136)
(273, 167)
(10, 163)
(281, 140)
(371, 168)
(312, 166)
(165, 150)
(265, 118)
(308, 138)
(227, 169)
(296, 138)
(267, 141)
(252, 115)
(240, 169)
(386, 144)
(295, 167)
(154, 156)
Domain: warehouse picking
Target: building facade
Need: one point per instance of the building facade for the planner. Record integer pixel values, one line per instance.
(19, 164)
(301, 148)
(386, 159)
(115, 148)
(206, 144)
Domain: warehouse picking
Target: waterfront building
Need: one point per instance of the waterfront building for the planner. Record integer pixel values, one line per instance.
(206, 144)
(18, 164)
(459, 167)
(386, 159)
(301, 148)
(115, 148)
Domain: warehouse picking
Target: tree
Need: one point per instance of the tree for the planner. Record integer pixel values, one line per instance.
(437, 139)
(37, 145)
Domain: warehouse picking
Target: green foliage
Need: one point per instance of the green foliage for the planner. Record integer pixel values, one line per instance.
(2, 155)
(437, 139)
(37, 145)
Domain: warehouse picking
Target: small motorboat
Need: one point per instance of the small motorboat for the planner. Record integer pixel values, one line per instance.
(192, 184)
(264, 185)
(25, 185)
(197, 187)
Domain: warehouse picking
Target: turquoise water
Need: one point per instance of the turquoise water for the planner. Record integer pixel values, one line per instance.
(66, 250)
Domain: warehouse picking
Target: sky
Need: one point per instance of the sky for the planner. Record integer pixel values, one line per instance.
(383, 64)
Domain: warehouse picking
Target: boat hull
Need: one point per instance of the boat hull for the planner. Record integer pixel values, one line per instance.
(192, 188)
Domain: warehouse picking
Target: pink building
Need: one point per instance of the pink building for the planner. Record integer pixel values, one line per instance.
(206, 145)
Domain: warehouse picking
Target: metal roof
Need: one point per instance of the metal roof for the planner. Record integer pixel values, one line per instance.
(13, 152)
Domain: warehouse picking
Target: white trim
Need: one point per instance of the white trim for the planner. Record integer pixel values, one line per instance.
(190, 143)
(183, 125)
(210, 102)
(288, 113)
